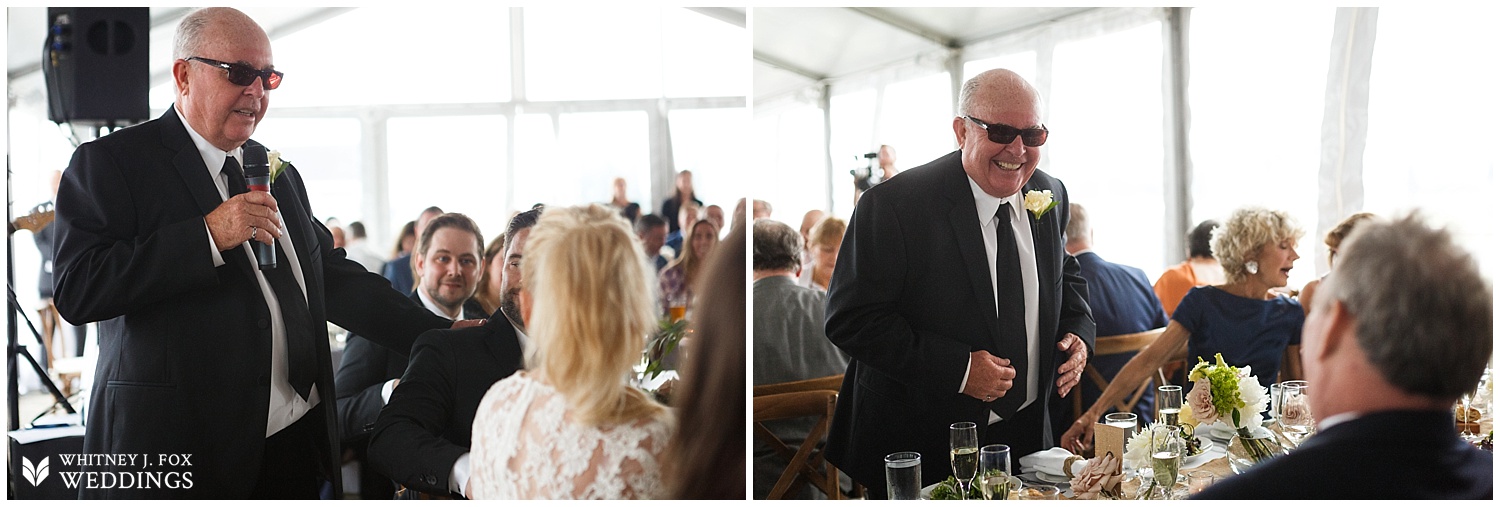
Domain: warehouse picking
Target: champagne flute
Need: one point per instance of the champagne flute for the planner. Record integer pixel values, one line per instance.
(963, 445)
(1168, 404)
(995, 478)
(1296, 414)
(1166, 454)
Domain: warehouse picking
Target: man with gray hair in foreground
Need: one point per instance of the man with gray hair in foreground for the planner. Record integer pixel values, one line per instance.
(1398, 331)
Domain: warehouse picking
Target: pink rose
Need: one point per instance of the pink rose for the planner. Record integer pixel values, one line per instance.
(1295, 410)
(1099, 476)
(1201, 401)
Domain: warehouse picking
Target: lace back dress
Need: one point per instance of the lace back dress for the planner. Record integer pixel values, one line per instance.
(528, 444)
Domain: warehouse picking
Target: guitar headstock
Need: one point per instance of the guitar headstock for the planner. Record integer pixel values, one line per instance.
(35, 221)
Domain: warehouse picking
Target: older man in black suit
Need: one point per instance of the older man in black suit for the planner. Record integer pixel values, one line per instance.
(210, 368)
(954, 297)
(422, 436)
(1400, 329)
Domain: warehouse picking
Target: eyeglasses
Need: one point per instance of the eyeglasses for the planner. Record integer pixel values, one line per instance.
(242, 75)
(1005, 134)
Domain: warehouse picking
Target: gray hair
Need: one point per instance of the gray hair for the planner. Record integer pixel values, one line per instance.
(189, 38)
(777, 246)
(1423, 312)
(1078, 224)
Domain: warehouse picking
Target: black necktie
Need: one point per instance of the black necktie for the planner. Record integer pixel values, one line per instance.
(300, 342)
(1011, 296)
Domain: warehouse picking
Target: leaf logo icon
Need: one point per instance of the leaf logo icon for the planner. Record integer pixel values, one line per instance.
(34, 474)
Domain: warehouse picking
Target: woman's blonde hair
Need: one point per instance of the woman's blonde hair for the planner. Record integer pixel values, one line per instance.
(1246, 231)
(691, 265)
(591, 311)
(827, 231)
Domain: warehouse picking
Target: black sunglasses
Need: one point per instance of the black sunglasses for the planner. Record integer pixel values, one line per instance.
(1005, 134)
(242, 75)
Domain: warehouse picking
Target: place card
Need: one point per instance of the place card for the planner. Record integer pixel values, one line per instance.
(1110, 439)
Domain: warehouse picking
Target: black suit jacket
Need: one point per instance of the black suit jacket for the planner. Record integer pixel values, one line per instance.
(428, 424)
(185, 348)
(911, 296)
(362, 375)
(1384, 455)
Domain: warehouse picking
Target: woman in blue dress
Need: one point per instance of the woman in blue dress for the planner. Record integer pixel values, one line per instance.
(1242, 319)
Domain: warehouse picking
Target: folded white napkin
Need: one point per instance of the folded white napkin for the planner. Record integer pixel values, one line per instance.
(1051, 461)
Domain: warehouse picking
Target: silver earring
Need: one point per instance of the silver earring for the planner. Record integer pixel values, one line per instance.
(1253, 267)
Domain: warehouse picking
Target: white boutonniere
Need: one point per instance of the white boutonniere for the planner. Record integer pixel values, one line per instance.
(277, 164)
(1039, 203)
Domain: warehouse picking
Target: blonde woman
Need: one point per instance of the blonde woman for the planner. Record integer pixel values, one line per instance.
(489, 291)
(569, 427)
(678, 277)
(823, 243)
(1242, 318)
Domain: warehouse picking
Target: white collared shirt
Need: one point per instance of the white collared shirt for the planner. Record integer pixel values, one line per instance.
(286, 407)
(985, 208)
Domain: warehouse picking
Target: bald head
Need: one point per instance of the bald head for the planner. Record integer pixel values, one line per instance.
(996, 85)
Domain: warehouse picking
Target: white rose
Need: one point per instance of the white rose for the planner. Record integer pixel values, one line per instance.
(1201, 402)
(1038, 202)
(1256, 401)
(1138, 449)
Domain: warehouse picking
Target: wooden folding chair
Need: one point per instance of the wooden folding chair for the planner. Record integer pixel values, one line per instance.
(1116, 344)
(804, 398)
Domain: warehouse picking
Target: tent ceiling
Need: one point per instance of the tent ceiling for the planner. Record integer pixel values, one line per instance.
(797, 47)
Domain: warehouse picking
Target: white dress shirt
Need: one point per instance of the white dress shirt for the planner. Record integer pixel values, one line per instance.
(286, 407)
(1020, 223)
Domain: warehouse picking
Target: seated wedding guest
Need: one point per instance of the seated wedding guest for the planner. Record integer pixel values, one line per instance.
(1334, 238)
(809, 219)
(1198, 270)
(706, 455)
(678, 277)
(1400, 329)
(686, 216)
(569, 426)
(652, 231)
(622, 204)
(490, 276)
(1241, 319)
(401, 271)
(715, 214)
(824, 240)
(405, 241)
(448, 258)
(1122, 302)
(335, 229)
(789, 341)
(422, 437)
(359, 250)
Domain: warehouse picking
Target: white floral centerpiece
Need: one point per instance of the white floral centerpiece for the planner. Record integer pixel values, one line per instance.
(1235, 397)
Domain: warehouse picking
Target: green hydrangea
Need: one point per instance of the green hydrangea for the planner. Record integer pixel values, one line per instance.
(1224, 385)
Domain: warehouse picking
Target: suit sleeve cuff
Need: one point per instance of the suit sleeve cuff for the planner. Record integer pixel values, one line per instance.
(212, 250)
(458, 480)
(385, 391)
(965, 384)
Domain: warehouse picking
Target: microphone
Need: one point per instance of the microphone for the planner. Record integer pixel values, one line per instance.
(258, 179)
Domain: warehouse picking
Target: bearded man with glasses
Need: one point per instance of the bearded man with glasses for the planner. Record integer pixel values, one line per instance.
(214, 370)
(955, 299)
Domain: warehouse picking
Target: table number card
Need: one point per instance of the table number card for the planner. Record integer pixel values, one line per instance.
(1109, 439)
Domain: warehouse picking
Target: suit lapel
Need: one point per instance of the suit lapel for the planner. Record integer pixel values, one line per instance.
(963, 217)
(205, 192)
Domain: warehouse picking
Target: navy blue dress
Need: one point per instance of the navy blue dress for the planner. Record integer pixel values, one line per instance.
(1249, 332)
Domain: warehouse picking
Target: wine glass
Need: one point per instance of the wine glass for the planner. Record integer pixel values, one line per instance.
(963, 445)
(994, 465)
(1275, 401)
(1296, 414)
(1168, 404)
(1166, 454)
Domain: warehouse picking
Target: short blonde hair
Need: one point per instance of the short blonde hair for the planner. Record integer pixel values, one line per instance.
(1246, 231)
(828, 231)
(592, 309)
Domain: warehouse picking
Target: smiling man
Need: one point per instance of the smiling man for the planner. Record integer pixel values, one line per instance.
(954, 302)
(203, 357)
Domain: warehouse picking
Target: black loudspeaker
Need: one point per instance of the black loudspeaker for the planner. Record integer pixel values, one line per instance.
(96, 64)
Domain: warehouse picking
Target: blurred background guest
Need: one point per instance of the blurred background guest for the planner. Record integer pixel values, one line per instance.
(622, 204)
(1241, 319)
(1333, 239)
(652, 231)
(488, 294)
(1198, 270)
(569, 426)
(687, 215)
(1399, 331)
(715, 214)
(683, 193)
(760, 209)
(809, 219)
(789, 341)
(358, 248)
(824, 241)
(705, 458)
(678, 277)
